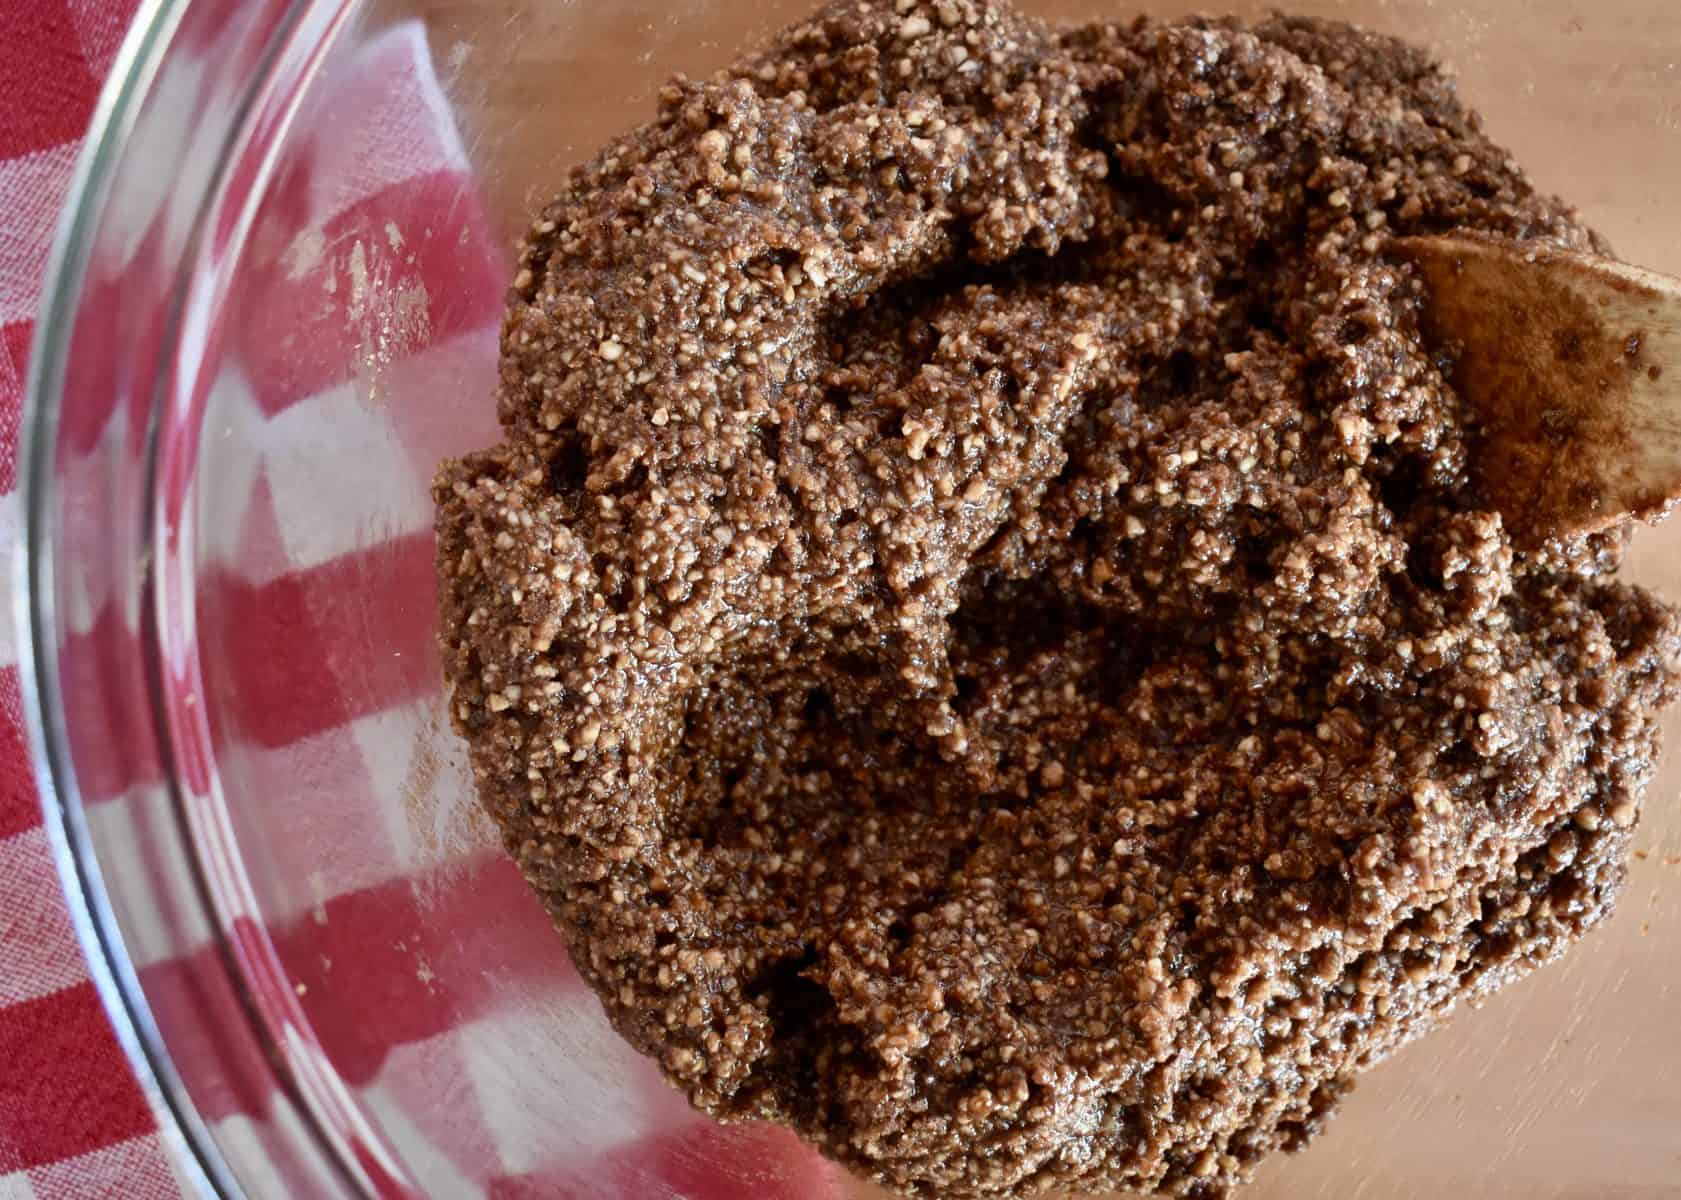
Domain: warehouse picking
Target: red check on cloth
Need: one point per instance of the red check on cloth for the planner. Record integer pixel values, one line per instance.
(425, 1015)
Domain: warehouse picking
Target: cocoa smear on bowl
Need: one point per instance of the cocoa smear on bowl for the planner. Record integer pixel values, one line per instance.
(985, 632)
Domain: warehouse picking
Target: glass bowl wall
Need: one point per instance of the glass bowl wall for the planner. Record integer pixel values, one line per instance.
(273, 310)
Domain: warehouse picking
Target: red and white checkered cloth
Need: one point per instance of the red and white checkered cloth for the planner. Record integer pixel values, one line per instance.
(73, 1120)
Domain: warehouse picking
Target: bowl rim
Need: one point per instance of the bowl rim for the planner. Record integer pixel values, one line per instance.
(181, 1129)
(157, 32)
(311, 1136)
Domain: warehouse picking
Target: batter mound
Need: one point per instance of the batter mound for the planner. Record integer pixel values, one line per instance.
(983, 632)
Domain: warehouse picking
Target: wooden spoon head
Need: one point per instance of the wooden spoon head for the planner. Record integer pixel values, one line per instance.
(1571, 365)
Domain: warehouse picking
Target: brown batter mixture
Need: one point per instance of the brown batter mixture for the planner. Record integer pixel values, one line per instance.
(983, 631)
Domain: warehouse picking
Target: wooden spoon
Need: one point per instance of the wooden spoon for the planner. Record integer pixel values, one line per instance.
(1572, 365)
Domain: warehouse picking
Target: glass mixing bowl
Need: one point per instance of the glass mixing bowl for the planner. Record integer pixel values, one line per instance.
(273, 310)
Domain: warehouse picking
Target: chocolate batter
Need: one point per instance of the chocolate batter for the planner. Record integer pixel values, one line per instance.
(984, 630)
